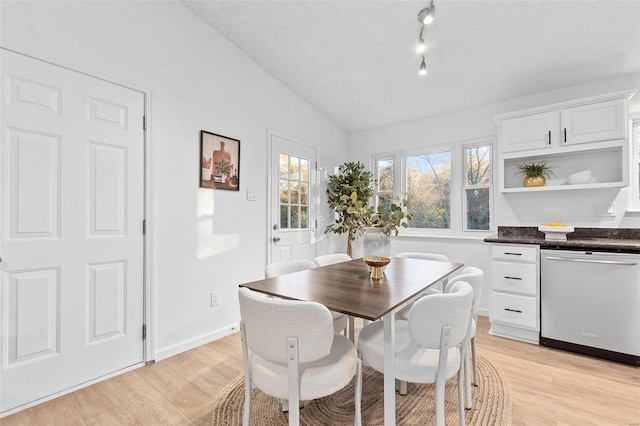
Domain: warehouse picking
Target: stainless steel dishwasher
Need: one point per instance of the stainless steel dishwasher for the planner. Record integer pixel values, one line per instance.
(590, 303)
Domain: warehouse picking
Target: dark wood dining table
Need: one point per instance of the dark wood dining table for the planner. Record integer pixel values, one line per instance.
(347, 287)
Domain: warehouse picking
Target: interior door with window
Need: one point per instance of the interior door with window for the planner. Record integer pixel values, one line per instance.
(292, 233)
(71, 238)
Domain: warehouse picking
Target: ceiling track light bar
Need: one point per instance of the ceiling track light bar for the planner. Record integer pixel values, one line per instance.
(425, 17)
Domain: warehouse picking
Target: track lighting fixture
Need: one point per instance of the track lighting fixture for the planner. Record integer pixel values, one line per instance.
(426, 15)
(423, 67)
(421, 44)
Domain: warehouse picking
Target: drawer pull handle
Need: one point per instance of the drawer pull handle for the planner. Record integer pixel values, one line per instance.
(512, 254)
(513, 310)
(514, 278)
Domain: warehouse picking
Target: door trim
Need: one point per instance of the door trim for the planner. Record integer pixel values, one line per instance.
(313, 181)
(148, 238)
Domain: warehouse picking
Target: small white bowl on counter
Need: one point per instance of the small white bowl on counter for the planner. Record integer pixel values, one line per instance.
(556, 233)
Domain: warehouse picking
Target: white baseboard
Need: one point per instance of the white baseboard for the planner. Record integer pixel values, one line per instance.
(164, 353)
(484, 312)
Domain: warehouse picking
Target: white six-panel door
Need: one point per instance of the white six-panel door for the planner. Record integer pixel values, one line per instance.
(71, 240)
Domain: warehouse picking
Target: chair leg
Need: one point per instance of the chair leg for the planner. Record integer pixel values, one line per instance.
(467, 381)
(475, 363)
(292, 378)
(358, 396)
(460, 399)
(401, 387)
(440, 402)
(246, 411)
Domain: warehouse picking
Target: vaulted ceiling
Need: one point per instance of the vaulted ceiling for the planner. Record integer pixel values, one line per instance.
(355, 61)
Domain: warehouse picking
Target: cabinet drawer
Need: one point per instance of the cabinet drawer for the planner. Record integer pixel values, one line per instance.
(515, 277)
(519, 311)
(515, 253)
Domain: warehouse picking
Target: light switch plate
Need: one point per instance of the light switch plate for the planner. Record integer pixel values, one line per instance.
(251, 194)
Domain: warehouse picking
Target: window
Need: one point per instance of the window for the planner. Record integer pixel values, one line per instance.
(477, 187)
(294, 192)
(635, 165)
(384, 180)
(428, 188)
(449, 188)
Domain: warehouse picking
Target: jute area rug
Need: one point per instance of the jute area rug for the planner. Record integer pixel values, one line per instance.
(491, 403)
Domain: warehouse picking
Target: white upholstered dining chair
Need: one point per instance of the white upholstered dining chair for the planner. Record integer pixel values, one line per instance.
(275, 269)
(330, 259)
(474, 277)
(404, 312)
(291, 352)
(429, 345)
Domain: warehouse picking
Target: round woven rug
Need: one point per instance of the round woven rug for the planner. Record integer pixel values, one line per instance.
(491, 403)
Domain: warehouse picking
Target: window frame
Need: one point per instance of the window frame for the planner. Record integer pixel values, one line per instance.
(634, 167)
(458, 208)
(465, 186)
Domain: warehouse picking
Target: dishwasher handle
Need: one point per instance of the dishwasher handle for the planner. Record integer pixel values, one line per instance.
(605, 262)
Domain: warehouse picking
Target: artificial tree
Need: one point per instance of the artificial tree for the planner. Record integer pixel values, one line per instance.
(348, 193)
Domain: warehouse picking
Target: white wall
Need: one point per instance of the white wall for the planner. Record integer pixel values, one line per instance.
(204, 240)
(516, 209)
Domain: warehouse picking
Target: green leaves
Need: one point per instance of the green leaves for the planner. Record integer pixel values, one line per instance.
(348, 192)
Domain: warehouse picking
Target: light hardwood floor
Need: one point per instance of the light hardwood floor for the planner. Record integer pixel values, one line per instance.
(548, 387)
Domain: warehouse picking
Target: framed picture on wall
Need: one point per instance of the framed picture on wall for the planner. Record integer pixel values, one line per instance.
(219, 162)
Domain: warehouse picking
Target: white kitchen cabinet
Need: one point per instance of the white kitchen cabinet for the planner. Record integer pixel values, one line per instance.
(515, 292)
(532, 131)
(593, 122)
(586, 134)
(600, 121)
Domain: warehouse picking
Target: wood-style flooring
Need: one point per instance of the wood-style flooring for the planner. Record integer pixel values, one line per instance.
(547, 386)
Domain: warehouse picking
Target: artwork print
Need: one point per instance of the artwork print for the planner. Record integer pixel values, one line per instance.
(220, 162)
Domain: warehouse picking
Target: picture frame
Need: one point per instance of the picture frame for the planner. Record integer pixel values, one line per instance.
(219, 161)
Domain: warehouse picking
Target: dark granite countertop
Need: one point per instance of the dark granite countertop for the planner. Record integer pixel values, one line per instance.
(623, 240)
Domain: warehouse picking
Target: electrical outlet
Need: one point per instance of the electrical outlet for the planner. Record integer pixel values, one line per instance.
(603, 210)
(214, 298)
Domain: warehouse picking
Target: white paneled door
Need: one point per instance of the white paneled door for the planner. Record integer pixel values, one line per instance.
(292, 201)
(71, 237)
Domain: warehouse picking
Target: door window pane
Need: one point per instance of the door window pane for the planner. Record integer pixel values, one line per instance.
(294, 192)
(429, 190)
(304, 170)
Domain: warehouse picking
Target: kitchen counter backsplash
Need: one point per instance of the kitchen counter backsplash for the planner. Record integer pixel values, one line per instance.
(616, 239)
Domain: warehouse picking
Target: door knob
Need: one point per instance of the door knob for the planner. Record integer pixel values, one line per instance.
(276, 239)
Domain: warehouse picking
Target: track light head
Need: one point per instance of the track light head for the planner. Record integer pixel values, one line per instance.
(427, 14)
(423, 67)
(421, 47)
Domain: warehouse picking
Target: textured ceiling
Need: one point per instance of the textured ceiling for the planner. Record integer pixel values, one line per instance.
(355, 61)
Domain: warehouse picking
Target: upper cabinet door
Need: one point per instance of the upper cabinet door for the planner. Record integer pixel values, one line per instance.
(601, 121)
(535, 131)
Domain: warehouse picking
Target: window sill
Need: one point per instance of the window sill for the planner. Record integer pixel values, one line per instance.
(474, 237)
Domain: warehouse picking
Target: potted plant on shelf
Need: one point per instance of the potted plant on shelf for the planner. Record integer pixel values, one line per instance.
(535, 174)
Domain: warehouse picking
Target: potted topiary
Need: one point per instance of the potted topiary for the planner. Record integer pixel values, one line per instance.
(348, 193)
(535, 173)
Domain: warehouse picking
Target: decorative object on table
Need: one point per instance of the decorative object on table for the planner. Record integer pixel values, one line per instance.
(555, 231)
(580, 178)
(348, 192)
(377, 251)
(535, 173)
(220, 161)
(491, 403)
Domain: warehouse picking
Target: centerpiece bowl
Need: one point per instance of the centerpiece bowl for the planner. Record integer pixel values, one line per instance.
(377, 264)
